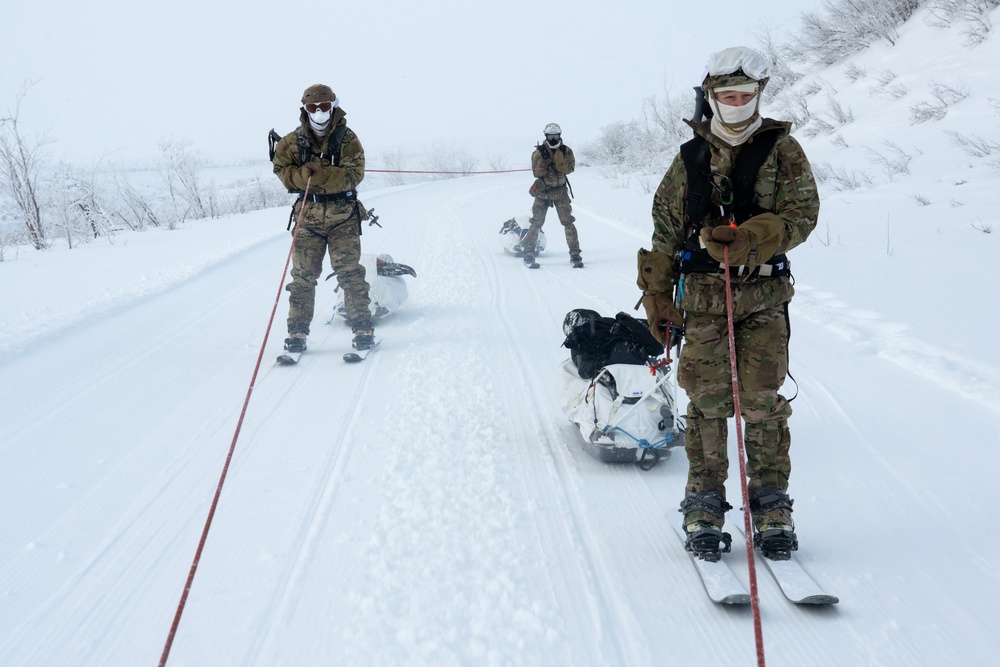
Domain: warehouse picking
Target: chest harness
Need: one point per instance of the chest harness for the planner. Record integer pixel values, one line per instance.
(736, 201)
(331, 153)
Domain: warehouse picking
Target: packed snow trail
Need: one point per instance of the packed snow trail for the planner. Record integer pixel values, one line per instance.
(430, 506)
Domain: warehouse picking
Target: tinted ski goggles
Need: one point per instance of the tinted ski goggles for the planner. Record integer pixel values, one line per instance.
(319, 106)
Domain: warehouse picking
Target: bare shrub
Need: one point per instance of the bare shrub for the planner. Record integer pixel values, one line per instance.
(976, 146)
(973, 15)
(395, 162)
(894, 161)
(797, 109)
(131, 208)
(839, 141)
(21, 163)
(854, 72)
(884, 86)
(782, 75)
(841, 178)
(181, 171)
(451, 160)
(838, 114)
(847, 26)
(944, 96)
(817, 127)
(921, 200)
(984, 227)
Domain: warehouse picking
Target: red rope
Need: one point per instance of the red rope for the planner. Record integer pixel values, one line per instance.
(456, 173)
(232, 448)
(747, 528)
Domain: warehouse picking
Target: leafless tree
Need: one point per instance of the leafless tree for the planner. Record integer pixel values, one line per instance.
(21, 162)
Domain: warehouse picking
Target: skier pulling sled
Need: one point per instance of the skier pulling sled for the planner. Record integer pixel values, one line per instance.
(617, 390)
(387, 289)
(512, 233)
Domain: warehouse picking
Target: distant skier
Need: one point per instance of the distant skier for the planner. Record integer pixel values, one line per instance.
(745, 169)
(324, 148)
(551, 162)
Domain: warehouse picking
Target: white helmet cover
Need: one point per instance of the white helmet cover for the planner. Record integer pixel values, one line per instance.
(553, 128)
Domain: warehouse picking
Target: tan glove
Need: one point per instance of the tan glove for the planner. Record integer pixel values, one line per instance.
(752, 243)
(657, 280)
(309, 169)
(661, 313)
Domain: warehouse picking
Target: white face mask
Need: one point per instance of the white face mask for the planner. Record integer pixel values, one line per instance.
(320, 117)
(735, 116)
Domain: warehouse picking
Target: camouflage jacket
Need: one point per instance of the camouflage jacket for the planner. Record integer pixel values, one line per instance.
(288, 158)
(784, 186)
(554, 168)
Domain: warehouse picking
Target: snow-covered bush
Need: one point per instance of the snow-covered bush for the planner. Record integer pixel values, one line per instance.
(974, 15)
(847, 26)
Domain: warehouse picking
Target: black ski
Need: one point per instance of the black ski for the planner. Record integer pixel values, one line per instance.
(289, 358)
(361, 355)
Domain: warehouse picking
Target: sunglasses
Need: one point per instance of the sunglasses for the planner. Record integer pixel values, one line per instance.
(322, 106)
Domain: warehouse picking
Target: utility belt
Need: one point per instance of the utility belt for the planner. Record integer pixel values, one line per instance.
(699, 261)
(349, 195)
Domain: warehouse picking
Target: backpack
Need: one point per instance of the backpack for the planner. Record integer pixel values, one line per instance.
(595, 341)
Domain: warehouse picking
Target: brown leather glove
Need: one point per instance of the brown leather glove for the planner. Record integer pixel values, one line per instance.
(752, 243)
(661, 313)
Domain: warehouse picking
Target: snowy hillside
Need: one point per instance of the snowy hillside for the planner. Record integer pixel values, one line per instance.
(432, 505)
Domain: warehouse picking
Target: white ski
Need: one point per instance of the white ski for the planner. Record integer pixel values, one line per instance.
(794, 582)
(720, 583)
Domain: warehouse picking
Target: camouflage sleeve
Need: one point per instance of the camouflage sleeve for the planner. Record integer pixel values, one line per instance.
(796, 199)
(286, 163)
(668, 209)
(351, 170)
(565, 163)
(539, 165)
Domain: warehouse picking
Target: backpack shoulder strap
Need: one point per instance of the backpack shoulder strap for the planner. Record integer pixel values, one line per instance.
(744, 174)
(695, 155)
(333, 147)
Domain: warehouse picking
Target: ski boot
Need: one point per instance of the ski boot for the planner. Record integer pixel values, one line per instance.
(704, 514)
(529, 260)
(575, 260)
(364, 336)
(295, 343)
(774, 530)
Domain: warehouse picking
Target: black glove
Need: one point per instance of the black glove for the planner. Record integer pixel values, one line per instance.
(544, 151)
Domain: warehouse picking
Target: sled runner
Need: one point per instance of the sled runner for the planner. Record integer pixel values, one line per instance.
(512, 233)
(387, 289)
(617, 391)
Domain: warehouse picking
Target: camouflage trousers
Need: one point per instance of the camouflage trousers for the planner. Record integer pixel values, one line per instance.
(705, 373)
(558, 197)
(332, 228)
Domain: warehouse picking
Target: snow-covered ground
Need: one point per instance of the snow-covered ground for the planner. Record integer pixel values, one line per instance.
(432, 505)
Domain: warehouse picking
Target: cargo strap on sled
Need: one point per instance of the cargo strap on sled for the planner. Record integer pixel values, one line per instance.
(649, 449)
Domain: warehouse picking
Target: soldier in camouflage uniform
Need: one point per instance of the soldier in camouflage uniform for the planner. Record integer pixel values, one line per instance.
(745, 170)
(326, 151)
(551, 161)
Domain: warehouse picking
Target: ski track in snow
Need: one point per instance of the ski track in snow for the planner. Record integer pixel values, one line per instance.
(31, 327)
(430, 505)
(970, 378)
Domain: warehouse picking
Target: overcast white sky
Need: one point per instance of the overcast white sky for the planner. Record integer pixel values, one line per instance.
(221, 73)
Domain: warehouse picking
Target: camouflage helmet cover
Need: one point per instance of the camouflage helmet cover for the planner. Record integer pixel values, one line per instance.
(735, 66)
(318, 93)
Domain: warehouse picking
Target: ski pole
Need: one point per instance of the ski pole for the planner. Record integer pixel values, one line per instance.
(747, 528)
(232, 448)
